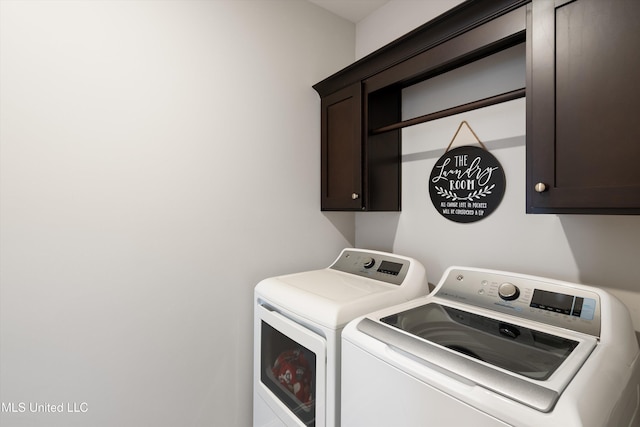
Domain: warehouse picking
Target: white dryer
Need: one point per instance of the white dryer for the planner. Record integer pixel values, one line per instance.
(491, 348)
(298, 320)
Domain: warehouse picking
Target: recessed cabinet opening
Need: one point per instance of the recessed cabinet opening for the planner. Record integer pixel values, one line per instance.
(502, 72)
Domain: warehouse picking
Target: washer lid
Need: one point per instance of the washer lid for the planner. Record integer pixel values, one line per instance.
(528, 352)
(523, 364)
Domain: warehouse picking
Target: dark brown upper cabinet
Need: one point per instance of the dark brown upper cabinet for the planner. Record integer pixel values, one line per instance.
(583, 107)
(360, 173)
(361, 117)
(341, 151)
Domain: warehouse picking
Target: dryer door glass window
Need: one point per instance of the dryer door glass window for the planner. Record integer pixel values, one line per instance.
(287, 368)
(518, 349)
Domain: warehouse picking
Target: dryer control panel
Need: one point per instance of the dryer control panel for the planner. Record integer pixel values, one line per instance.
(556, 303)
(373, 265)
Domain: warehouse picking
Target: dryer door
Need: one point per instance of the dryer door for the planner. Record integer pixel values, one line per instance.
(290, 368)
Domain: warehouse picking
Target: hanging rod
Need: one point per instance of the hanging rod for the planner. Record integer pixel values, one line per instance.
(492, 100)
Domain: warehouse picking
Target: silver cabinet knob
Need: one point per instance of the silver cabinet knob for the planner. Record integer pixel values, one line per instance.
(355, 196)
(541, 187)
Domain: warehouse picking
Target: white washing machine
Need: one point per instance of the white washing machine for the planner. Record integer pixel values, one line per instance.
(297, 328)
(491, 348)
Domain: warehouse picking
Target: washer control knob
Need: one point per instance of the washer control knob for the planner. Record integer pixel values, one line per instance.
(508, 291)
(369, 262)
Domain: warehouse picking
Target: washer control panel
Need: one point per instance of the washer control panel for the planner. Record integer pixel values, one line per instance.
(557, 303)
(373, 265)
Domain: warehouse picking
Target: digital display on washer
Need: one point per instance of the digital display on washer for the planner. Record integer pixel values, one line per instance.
(389, 267)
(583, 308)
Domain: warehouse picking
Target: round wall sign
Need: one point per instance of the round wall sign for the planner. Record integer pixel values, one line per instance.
(466, 184)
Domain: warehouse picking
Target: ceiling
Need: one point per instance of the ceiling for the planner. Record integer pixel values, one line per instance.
(352, 10)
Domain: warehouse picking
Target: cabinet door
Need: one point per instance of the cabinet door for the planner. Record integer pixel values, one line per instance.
(341, 138)
(583, 98)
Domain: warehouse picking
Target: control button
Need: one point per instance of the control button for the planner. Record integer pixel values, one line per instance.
(508, 291)
(369, 262)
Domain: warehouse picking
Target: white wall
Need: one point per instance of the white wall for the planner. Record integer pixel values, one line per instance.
(394, 19)
(158, 158)
(598, 250)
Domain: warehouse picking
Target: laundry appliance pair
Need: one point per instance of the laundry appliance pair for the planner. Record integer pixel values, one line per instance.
(364, 343)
